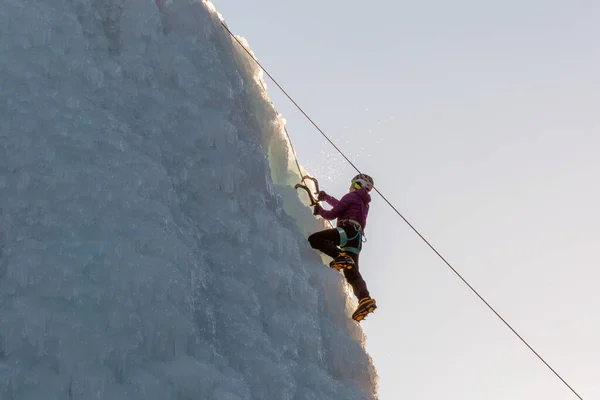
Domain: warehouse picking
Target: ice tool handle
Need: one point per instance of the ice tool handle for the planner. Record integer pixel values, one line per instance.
(311, 196)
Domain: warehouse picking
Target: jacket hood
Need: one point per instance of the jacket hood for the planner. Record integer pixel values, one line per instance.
(364, 195)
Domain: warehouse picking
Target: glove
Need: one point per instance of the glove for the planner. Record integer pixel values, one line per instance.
(321, 195)
(317, 209)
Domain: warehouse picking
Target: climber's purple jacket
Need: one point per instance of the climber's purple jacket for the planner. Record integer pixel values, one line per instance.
(354, 206)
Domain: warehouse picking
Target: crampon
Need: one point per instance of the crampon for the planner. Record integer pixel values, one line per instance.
(343, 261)
(365, 307)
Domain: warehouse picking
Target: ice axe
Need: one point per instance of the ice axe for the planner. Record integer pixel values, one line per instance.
(311, 196)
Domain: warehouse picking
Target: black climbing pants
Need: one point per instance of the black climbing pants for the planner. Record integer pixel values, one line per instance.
(328, 242)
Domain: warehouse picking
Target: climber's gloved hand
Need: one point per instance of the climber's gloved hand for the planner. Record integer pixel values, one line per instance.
(321, 195)
(317, 209)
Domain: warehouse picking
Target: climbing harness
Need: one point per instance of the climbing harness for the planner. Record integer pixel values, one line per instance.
(400, 215)
(344, 240)
(351, 222)
(355, 225)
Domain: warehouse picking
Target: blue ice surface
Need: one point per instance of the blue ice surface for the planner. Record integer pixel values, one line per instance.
(152, 245)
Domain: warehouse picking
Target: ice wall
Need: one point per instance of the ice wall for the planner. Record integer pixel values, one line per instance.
(151, 246)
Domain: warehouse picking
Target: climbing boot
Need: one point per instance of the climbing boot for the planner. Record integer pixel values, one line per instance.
(342, 261)
(365, 306)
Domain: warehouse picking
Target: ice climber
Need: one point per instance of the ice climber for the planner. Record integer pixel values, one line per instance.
(344, 243)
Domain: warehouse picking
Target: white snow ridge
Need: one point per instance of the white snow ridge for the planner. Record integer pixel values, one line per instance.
(152, 246)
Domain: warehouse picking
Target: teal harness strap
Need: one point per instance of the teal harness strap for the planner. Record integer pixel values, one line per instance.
(344, 240)
(343, 237)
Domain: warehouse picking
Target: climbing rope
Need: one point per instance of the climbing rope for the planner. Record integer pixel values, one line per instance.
(405, 220)
(313, 200)
(293, 152)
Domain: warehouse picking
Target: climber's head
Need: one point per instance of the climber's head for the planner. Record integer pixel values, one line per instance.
(361, 181)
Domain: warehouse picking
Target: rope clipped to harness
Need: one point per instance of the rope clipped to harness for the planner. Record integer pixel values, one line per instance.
(311, 196)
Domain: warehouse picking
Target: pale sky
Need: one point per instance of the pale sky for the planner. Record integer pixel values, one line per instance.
(481, 123)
